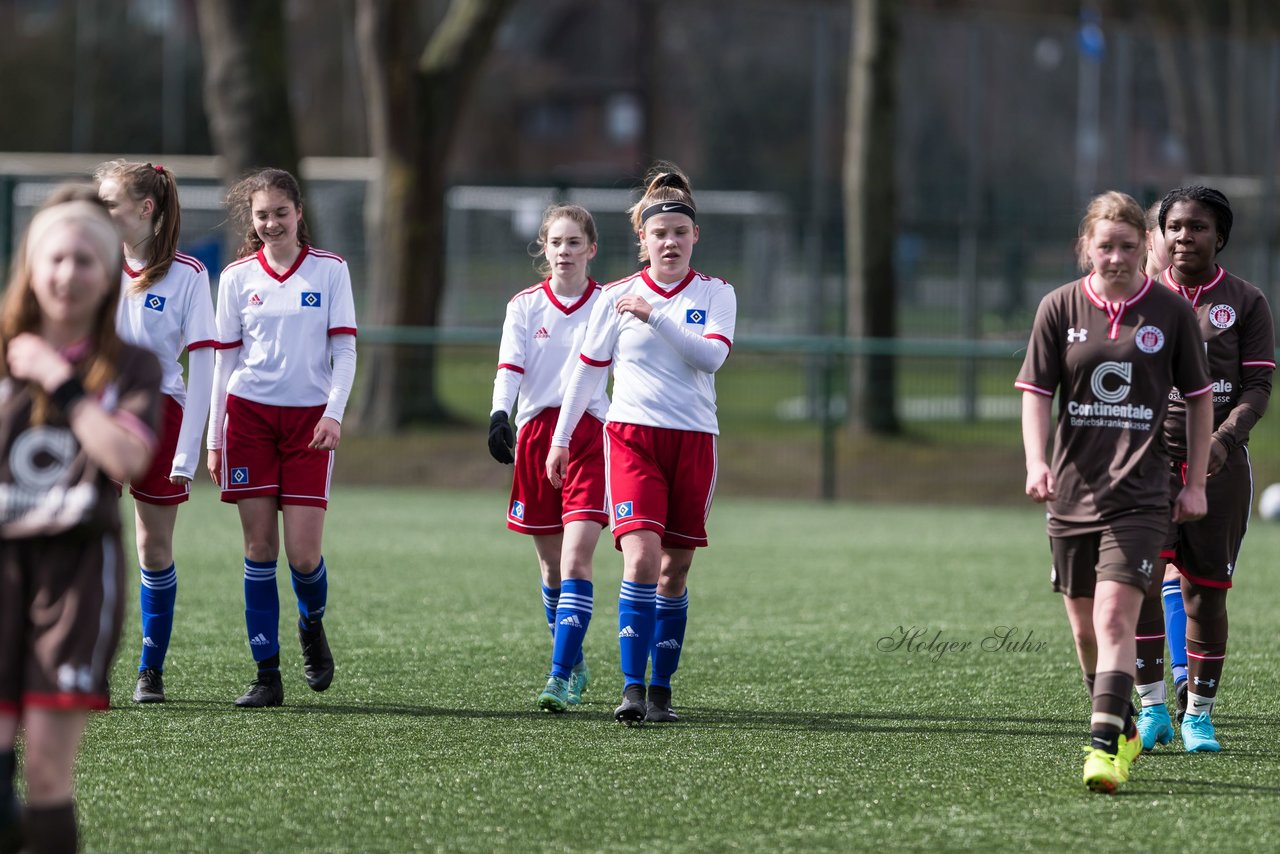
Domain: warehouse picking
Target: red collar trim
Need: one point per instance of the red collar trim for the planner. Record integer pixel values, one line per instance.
(648, 280)
(297, 262)
(592, 287)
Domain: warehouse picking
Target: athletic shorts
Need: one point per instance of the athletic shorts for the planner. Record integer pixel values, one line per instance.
(267, 452)
(1205, 551)
(61, 609)
(1126, 550)
(660, 480)
(154, 487)
(536, 506)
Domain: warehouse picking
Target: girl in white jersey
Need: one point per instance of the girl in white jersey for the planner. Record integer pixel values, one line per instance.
(665, 331)
(165, 307)
(285, 363)
(541, 338)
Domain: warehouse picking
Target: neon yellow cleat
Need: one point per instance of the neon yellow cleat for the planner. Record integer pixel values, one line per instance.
(1101, 771)
(1127, 753)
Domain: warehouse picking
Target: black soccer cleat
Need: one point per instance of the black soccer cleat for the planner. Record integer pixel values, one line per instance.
(1180, 693)
(631, 711)
(150, 687)
(266, 690)
(658, 707)
(317, 661)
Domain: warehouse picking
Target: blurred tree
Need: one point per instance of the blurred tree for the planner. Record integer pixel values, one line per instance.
(414, 101)
(870, 210)
(247, 85)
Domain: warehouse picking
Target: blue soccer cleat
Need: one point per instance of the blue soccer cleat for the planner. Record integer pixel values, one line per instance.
(1155, 726)
(1198, 735)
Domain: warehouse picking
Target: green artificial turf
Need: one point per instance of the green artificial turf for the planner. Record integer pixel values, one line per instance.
(805, 724)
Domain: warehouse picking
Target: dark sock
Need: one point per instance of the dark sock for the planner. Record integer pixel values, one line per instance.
(269, 664)
(51, 829)
(1112, 709)
(10, 815)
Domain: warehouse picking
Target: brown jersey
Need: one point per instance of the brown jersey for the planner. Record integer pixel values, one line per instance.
(1239, 338)
(1112, 366)
(48, 484)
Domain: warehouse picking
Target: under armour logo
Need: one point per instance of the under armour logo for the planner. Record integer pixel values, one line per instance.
(1074, 335)
(1146, 568)
(1208, 683)
(1142, 662)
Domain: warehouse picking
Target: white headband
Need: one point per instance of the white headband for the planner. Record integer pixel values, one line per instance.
(95, 221)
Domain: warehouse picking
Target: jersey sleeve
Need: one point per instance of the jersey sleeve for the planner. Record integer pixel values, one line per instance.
(602, 332)
(137, 405)
(342, 304)
(228, 323)
(1257, 365)
(722, 315)
(1041, 370)
(198, 326)
(511, 358)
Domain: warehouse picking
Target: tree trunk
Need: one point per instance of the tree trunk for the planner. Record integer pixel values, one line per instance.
(871, 211)
(414, 105)
(246, 85)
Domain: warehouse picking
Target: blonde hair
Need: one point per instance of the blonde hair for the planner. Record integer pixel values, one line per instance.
(20, 311)
(665, 182)
(147, 181)
(1113, 206)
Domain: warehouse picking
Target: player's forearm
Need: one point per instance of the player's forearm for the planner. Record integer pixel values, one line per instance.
(343, 350)
(1036, 417)
(704, 354)
(576, 398)
(223, 364)
(195, 412)
(1199, 429)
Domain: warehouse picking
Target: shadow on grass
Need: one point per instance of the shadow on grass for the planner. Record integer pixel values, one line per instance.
(1202, 788)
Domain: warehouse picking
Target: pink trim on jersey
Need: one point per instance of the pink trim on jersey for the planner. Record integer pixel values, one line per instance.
(1114, 310)
(137, 426)
(280, 277)
(595, 363)
(1035, 389)
(1260, 364)
(190, 260)
(1195, 579)
(1198, 392)
(342, 330)
(715, 337)
(1193, 294)
(200, 345)
(1148, 637)
(545, 285)
(688, 277)
(516, 368)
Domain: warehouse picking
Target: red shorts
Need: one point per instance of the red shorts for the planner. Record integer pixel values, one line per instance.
(536, 506)
(660, 480)
(267, 452)
(154, 487)
(61, 610)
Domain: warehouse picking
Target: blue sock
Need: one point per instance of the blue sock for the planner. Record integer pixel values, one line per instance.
(312, 591)
(157, 594)
(550, 601)
(668, 637)
(262, 608)
(636, 619)
(573, 615)
(1175, 628)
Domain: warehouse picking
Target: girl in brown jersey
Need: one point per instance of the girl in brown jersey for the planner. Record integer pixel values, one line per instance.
(1111, 345)
(1235, 322)
(77, 408)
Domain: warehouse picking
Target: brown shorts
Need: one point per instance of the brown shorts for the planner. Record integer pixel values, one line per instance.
(1205, 551)
(1126, 550)
(61, 609)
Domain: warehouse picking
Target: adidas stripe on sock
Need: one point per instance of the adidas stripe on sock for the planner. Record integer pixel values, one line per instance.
(312, 592)
(573, 615)
(261, 608)
(157, 593)
(636, 618)
(672, 615)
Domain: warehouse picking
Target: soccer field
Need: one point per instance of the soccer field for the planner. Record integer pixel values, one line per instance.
(807, 721)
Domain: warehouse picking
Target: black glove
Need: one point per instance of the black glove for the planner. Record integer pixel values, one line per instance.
(502, 439)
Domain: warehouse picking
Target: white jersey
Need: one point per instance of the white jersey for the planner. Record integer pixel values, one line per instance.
(541, 337)
(173, 315)
(653, 384)
(282, 323)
